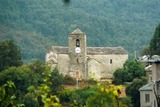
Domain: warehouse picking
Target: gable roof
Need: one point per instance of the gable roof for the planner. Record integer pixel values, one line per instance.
(147, 87)
(77, 31)
(93, 50)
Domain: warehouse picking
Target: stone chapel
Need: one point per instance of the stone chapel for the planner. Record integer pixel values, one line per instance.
(82, 62)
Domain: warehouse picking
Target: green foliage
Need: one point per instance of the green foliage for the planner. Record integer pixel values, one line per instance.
(146, 50)
(43, 91)
(101, 95)
(81, 95)
(132, 69)
(30, 101)
(10, 55)
(107, 95)
(68, 80)
(57, 80)
(119, 76)
(64, 95)
(102, 100)
(127, 101)
(7, 95)
(88, 82)
(22, 76)
(133, 90)
(155, 42)
(38, 67)
(37, 25)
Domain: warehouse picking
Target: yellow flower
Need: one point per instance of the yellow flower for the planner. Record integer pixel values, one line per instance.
(107, 90)
(102, 89)
(115, 93)
(120, 87)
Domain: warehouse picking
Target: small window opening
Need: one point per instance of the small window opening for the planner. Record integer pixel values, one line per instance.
(77, 43)
(110, 61)
(147, 98)
(77, 61)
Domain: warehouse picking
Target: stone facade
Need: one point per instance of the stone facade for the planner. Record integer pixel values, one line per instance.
(80, 61)
(150, 93)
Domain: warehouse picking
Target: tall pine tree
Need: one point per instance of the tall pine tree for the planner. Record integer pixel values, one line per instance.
(155, 42)
(10, 55)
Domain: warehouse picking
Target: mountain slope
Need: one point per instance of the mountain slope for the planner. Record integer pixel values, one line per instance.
(36, 25)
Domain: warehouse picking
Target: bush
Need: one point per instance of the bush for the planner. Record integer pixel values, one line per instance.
(102, 99)
(64, 95)
(30, 101)
(68, 80)
(81, 95)
(127, 101)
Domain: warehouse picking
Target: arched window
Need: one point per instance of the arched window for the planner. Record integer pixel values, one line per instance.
(77, 43)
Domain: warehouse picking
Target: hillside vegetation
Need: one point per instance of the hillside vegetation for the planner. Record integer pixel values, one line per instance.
(36, 25)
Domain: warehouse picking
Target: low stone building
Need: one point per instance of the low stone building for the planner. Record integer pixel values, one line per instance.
(80, 61)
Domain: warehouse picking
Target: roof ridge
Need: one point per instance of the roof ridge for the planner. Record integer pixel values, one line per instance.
(77, 31)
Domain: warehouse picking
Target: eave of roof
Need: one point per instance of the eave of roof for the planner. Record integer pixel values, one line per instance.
(151, 60)
(147, 87)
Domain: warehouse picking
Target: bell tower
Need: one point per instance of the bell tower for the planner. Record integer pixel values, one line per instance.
(77, 54)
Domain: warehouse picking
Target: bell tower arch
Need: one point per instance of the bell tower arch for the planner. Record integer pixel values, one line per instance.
(77, 54)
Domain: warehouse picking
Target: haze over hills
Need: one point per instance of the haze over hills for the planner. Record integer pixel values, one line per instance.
(36, 25)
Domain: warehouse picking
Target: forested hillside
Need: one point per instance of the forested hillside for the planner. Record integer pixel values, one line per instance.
(36, 25)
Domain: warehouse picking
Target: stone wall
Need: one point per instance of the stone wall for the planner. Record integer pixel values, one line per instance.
(63, 63)
(103, 66)
(98, 66)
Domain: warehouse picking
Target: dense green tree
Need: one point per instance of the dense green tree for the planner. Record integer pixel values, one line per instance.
(135, 68)
(119, 75)
(132, 90)
(57, 80)
(38, 67)
(44, 90)
(22, 76)
(131, 69)
(146, 50)
(155, 42)
(10, 55)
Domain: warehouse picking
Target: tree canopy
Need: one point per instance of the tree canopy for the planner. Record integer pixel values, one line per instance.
(133, 90)
(10, 55)
(155, 42)
(131, 69)
(37, 25)
(22, 76)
